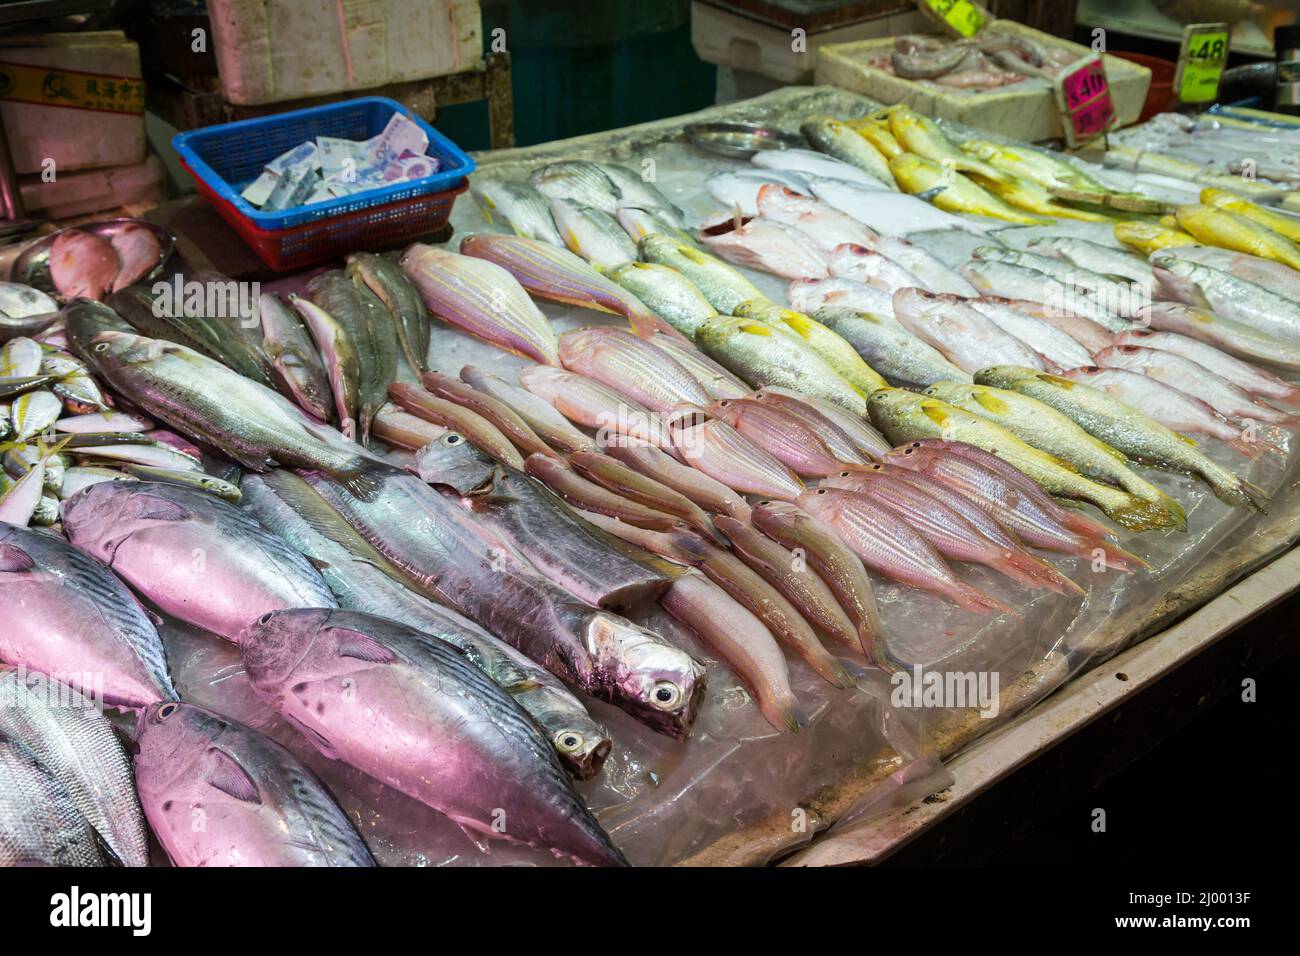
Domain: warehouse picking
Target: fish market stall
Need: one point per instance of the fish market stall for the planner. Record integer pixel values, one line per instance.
(619, 614)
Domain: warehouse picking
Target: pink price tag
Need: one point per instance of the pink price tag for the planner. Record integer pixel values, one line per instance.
(1084, 84)
(1093, 119)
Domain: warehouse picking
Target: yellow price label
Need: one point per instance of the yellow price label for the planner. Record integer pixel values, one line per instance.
(1204, 57)
(963, 16)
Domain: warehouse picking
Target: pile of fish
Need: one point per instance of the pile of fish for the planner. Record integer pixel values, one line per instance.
(992, 60)
(84, 264)
(473, 553)
(1252, 155)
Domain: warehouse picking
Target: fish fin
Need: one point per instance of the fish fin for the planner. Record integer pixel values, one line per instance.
(318, 741)
(363, 647)
(155, 508)
(225, 773)
(14, 560)
(318, 564)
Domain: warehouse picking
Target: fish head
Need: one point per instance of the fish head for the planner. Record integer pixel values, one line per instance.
(660, 684)
(451, 461)
(170, 739)
(85, 319)
(1177, 278)
(99, 517)
(293, 653)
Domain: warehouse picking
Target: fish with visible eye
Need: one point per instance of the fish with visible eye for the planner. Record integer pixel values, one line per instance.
(258, 805)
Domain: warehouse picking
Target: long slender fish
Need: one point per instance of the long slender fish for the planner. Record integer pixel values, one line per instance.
(482, 432)
(782, 618)
(434, 726)
(742, 640)
(445, 553)
(258, 804)
(552, 427)
(362, 580)
(525, 515)
(653, 462)
(194, 556)
(501, 415)
(385, 279)
(79, 622)
(799, 584)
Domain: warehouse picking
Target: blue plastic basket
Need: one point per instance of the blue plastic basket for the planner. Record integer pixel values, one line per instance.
(227, 157)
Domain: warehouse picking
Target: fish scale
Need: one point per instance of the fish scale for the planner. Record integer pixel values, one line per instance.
(77, 745)
(39, 823)
(630, 366)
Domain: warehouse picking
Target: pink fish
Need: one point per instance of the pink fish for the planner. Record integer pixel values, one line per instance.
(138, 252)
(82, 264)
(770, 247)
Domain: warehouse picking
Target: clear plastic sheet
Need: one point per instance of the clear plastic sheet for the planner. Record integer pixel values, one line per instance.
(736, 791)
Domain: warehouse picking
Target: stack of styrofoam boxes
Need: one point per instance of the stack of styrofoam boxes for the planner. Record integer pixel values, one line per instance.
(279, 51)
(72, 105)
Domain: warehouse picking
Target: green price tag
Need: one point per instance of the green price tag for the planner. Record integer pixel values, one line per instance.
(1201, 65)
(962, 16)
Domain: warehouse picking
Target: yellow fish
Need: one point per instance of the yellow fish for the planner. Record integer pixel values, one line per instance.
(1219, 227)
(952, 191)
(1031, 197)
(834, 349)
(1147, 237)
(1288, 226)
(921, 135)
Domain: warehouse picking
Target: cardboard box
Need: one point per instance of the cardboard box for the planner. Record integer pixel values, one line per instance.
(74, 98)
(270, 51)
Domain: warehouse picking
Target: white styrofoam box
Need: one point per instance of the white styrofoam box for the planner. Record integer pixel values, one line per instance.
(271, 51)
(1026, 110)
(729, 39)
(93, 190)
(76, 99)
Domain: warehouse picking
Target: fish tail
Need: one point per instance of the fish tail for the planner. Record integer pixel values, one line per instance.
(1243, 494)
(833, 670)
(1081, 524)
(787, 716)
(1138, 515)
(646, 324)
(364, 479)
(1254, 449)
(1034, 572)
(1114, 558)
(973, 599)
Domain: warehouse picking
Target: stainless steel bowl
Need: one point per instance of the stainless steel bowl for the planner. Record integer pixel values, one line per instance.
(740, 140)
(33, 265)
